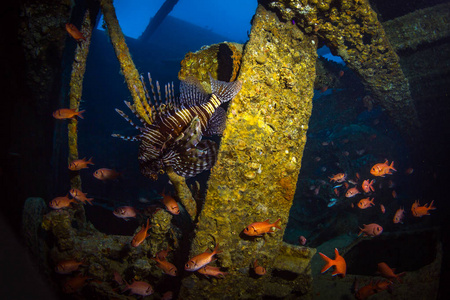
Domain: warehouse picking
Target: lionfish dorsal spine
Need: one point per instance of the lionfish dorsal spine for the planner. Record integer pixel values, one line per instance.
(133, 110)
(128, 118)
(150, 115)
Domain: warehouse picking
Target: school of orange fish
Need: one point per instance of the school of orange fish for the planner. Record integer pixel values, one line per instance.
(372, 229)
(200, 262)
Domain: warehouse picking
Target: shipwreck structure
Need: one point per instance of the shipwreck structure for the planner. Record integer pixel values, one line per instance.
(259, 158)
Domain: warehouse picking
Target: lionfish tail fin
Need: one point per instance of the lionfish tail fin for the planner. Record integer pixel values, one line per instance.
(188, 163)
(225, 91)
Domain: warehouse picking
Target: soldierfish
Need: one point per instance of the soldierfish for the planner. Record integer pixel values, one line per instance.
(80, 196)
(259, 270)
(67, 266)
(161, 255)
(167, 267)
(260, 228)
(170, 203)
(351, 192)
(382, 169)
(67, 113)
(399, 214)
(79, 164)
(74, 32)
(73, 284)
(340, 177)
(388, 273)
(371, 230)
(338, 262)
(61, 202)
(141, 288)
(211, 271)
(367, 186)
(201, 260)
(106, 174)
(125, 212)
(365, 203)
(420, 211)
(141, 235)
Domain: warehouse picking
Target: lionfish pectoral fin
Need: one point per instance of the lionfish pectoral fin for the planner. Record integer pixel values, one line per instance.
(188, 163)
(225, 91)
(126, 138)
(216, 124)
(191, 135)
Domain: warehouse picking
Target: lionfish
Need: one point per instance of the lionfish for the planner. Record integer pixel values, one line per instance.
(173, 138)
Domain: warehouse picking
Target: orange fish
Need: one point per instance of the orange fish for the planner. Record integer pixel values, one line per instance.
(394, 194)
(125, 212)
(367, 186)
(167, 295)
(259, 270)
(336, 191)
(167, 267)
(409, 171)
(118, 278)
(67, 113)
(73, 284)
(388, 273)
(212, 271)
(67, 266)
(399, 214)
(338, 262)
(161, 255)
(260, 228)
(340, 177)
(106, 174)
(366, 291)
(141, 288)
(74, 32)
(171, 204)
(352, 192)
(365, 203)
(79, 164)
(201, 260)
(382, 169)
(419, 211)
(80, 196)
(383, 209)
(371, 230)
(302, 240)
(141, 235)
(61, 202)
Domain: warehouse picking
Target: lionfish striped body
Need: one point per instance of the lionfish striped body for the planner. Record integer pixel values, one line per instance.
(173, 138)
